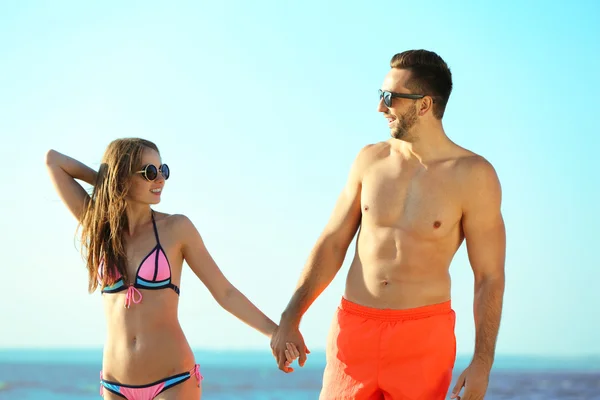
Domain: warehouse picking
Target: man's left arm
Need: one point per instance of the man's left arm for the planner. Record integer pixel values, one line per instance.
(485, 236)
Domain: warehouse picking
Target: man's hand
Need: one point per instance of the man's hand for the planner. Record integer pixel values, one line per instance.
(282, 337)
(475, 380)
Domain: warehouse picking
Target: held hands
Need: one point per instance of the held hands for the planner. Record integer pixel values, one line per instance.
(291, 353)
(475, 380)
(287, 344)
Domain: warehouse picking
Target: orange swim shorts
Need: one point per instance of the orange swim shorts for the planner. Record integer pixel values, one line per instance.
(382, 354)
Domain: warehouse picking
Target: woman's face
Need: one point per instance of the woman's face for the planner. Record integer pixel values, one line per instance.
(143, 190)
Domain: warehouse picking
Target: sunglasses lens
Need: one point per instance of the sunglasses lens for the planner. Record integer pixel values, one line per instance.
(151, 172)
(164, 169)
(386, 96)
(387, 99)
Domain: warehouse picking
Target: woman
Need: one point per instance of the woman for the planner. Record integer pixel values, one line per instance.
(135, 255)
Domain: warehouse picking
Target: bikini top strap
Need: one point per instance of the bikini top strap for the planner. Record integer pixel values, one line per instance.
(155, 229)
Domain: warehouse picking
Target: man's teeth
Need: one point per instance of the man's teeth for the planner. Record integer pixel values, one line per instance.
(156, 190)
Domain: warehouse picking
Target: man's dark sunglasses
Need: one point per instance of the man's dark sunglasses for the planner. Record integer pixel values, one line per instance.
(388, 96)
(150, 172)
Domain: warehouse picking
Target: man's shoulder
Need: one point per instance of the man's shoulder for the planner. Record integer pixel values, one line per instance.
(475, 173)
(472, 165)
(372, 152)
(366, 157)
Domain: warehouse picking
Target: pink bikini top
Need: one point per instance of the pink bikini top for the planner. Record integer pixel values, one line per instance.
(153, 273)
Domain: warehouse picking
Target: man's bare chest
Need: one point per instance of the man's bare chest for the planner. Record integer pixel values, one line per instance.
(418, 201)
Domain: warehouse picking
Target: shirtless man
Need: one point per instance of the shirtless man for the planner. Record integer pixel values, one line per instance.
(415, 197)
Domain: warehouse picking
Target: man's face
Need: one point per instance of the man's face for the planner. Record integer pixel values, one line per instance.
(402, 114)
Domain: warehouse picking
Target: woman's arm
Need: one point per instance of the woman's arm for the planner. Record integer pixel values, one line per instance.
(231, 299)
(63, 172)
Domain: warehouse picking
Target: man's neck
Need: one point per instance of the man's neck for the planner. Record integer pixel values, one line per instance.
(430, 143)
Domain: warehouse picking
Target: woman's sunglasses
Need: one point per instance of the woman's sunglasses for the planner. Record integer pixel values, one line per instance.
(388, 96)
(150, 172)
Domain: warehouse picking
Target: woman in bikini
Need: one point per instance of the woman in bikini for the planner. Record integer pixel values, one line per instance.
(135, 256)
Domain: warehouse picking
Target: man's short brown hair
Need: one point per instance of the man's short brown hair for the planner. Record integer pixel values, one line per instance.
(430, 76)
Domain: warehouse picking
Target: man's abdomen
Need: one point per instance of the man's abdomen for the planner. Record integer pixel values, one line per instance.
(393, 269)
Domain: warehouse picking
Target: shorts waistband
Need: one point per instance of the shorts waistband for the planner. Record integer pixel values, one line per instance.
(387, 314)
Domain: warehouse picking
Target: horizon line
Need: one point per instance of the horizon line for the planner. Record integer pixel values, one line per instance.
(266, 351)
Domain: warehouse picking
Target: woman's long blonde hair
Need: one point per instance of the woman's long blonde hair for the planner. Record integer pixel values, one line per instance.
(104, 219)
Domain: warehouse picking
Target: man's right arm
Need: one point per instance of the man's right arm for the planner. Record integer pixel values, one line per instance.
(325, 259)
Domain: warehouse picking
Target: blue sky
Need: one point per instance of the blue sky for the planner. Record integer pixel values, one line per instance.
(259, 109)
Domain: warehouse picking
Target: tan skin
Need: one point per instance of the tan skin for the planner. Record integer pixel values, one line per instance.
(145, 342)
(416, 198)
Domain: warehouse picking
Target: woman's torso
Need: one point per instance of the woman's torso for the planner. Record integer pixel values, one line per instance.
(145, 341)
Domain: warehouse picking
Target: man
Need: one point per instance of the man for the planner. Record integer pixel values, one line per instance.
(416, 197)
